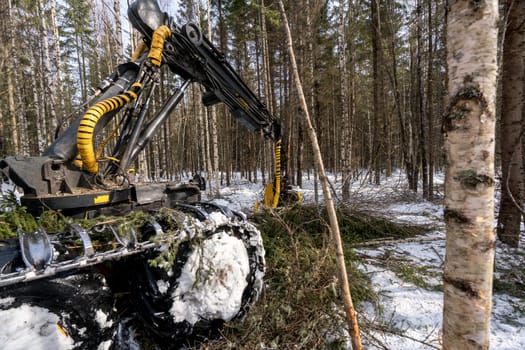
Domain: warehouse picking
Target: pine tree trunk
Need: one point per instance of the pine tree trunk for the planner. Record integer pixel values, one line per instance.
(509, 218)
(469, 128)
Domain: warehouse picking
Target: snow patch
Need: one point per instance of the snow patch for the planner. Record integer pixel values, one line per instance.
(105, 345)
(212, 281)
(7, 301)
(102, 319)
(32, 327)
(218, 218)
(163, 286)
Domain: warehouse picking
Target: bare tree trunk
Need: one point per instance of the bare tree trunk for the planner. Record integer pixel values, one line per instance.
(49, 81)
(509, 218)
(11, 83)
(213, 125)
(267, 81)
(376, 144)
(469, 127)
(119, 51)
(204, 163)
(205, 118)
(346, 141)
(4, 56)
(419, 99)
(408, 162)
(37, 120)
(412, 123)
(429, 107)
(343, 278)
(269, 91)
(57, 58)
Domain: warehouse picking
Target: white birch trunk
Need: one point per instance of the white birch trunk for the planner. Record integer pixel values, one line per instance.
(345, 141)
(57, 59)
(11, 83)
(118, 32)
(50, 86)
(469, 126)
(213, 125)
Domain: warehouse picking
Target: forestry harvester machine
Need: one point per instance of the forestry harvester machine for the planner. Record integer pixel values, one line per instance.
(151, 257)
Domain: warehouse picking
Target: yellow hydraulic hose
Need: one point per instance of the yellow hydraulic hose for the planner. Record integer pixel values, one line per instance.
(157, 44)
(90, 119)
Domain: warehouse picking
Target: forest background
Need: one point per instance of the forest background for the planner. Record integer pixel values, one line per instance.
(374, 74)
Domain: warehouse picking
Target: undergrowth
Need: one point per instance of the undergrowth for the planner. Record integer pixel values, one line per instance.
(300, 306)
(511, 282)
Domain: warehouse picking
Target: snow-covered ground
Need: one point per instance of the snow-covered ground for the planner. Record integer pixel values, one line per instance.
(414, 312)
(406, 276)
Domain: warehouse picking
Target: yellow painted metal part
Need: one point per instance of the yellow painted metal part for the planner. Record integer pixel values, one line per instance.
(157, 44)
(243, 102)
(273, 190)
(61, 330)
(100, 149)
(89, 121)
(103, 198)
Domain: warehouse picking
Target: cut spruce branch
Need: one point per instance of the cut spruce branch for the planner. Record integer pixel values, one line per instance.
(334, 225)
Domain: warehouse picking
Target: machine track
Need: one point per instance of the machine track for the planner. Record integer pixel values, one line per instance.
(173, 279)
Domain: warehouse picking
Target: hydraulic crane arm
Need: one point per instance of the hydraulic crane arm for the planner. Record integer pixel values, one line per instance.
(191, 55)
(72, 161)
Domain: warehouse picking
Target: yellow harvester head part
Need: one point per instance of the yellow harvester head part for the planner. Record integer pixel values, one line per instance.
(273, 189)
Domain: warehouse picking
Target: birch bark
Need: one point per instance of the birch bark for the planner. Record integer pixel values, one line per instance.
(469, 128)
